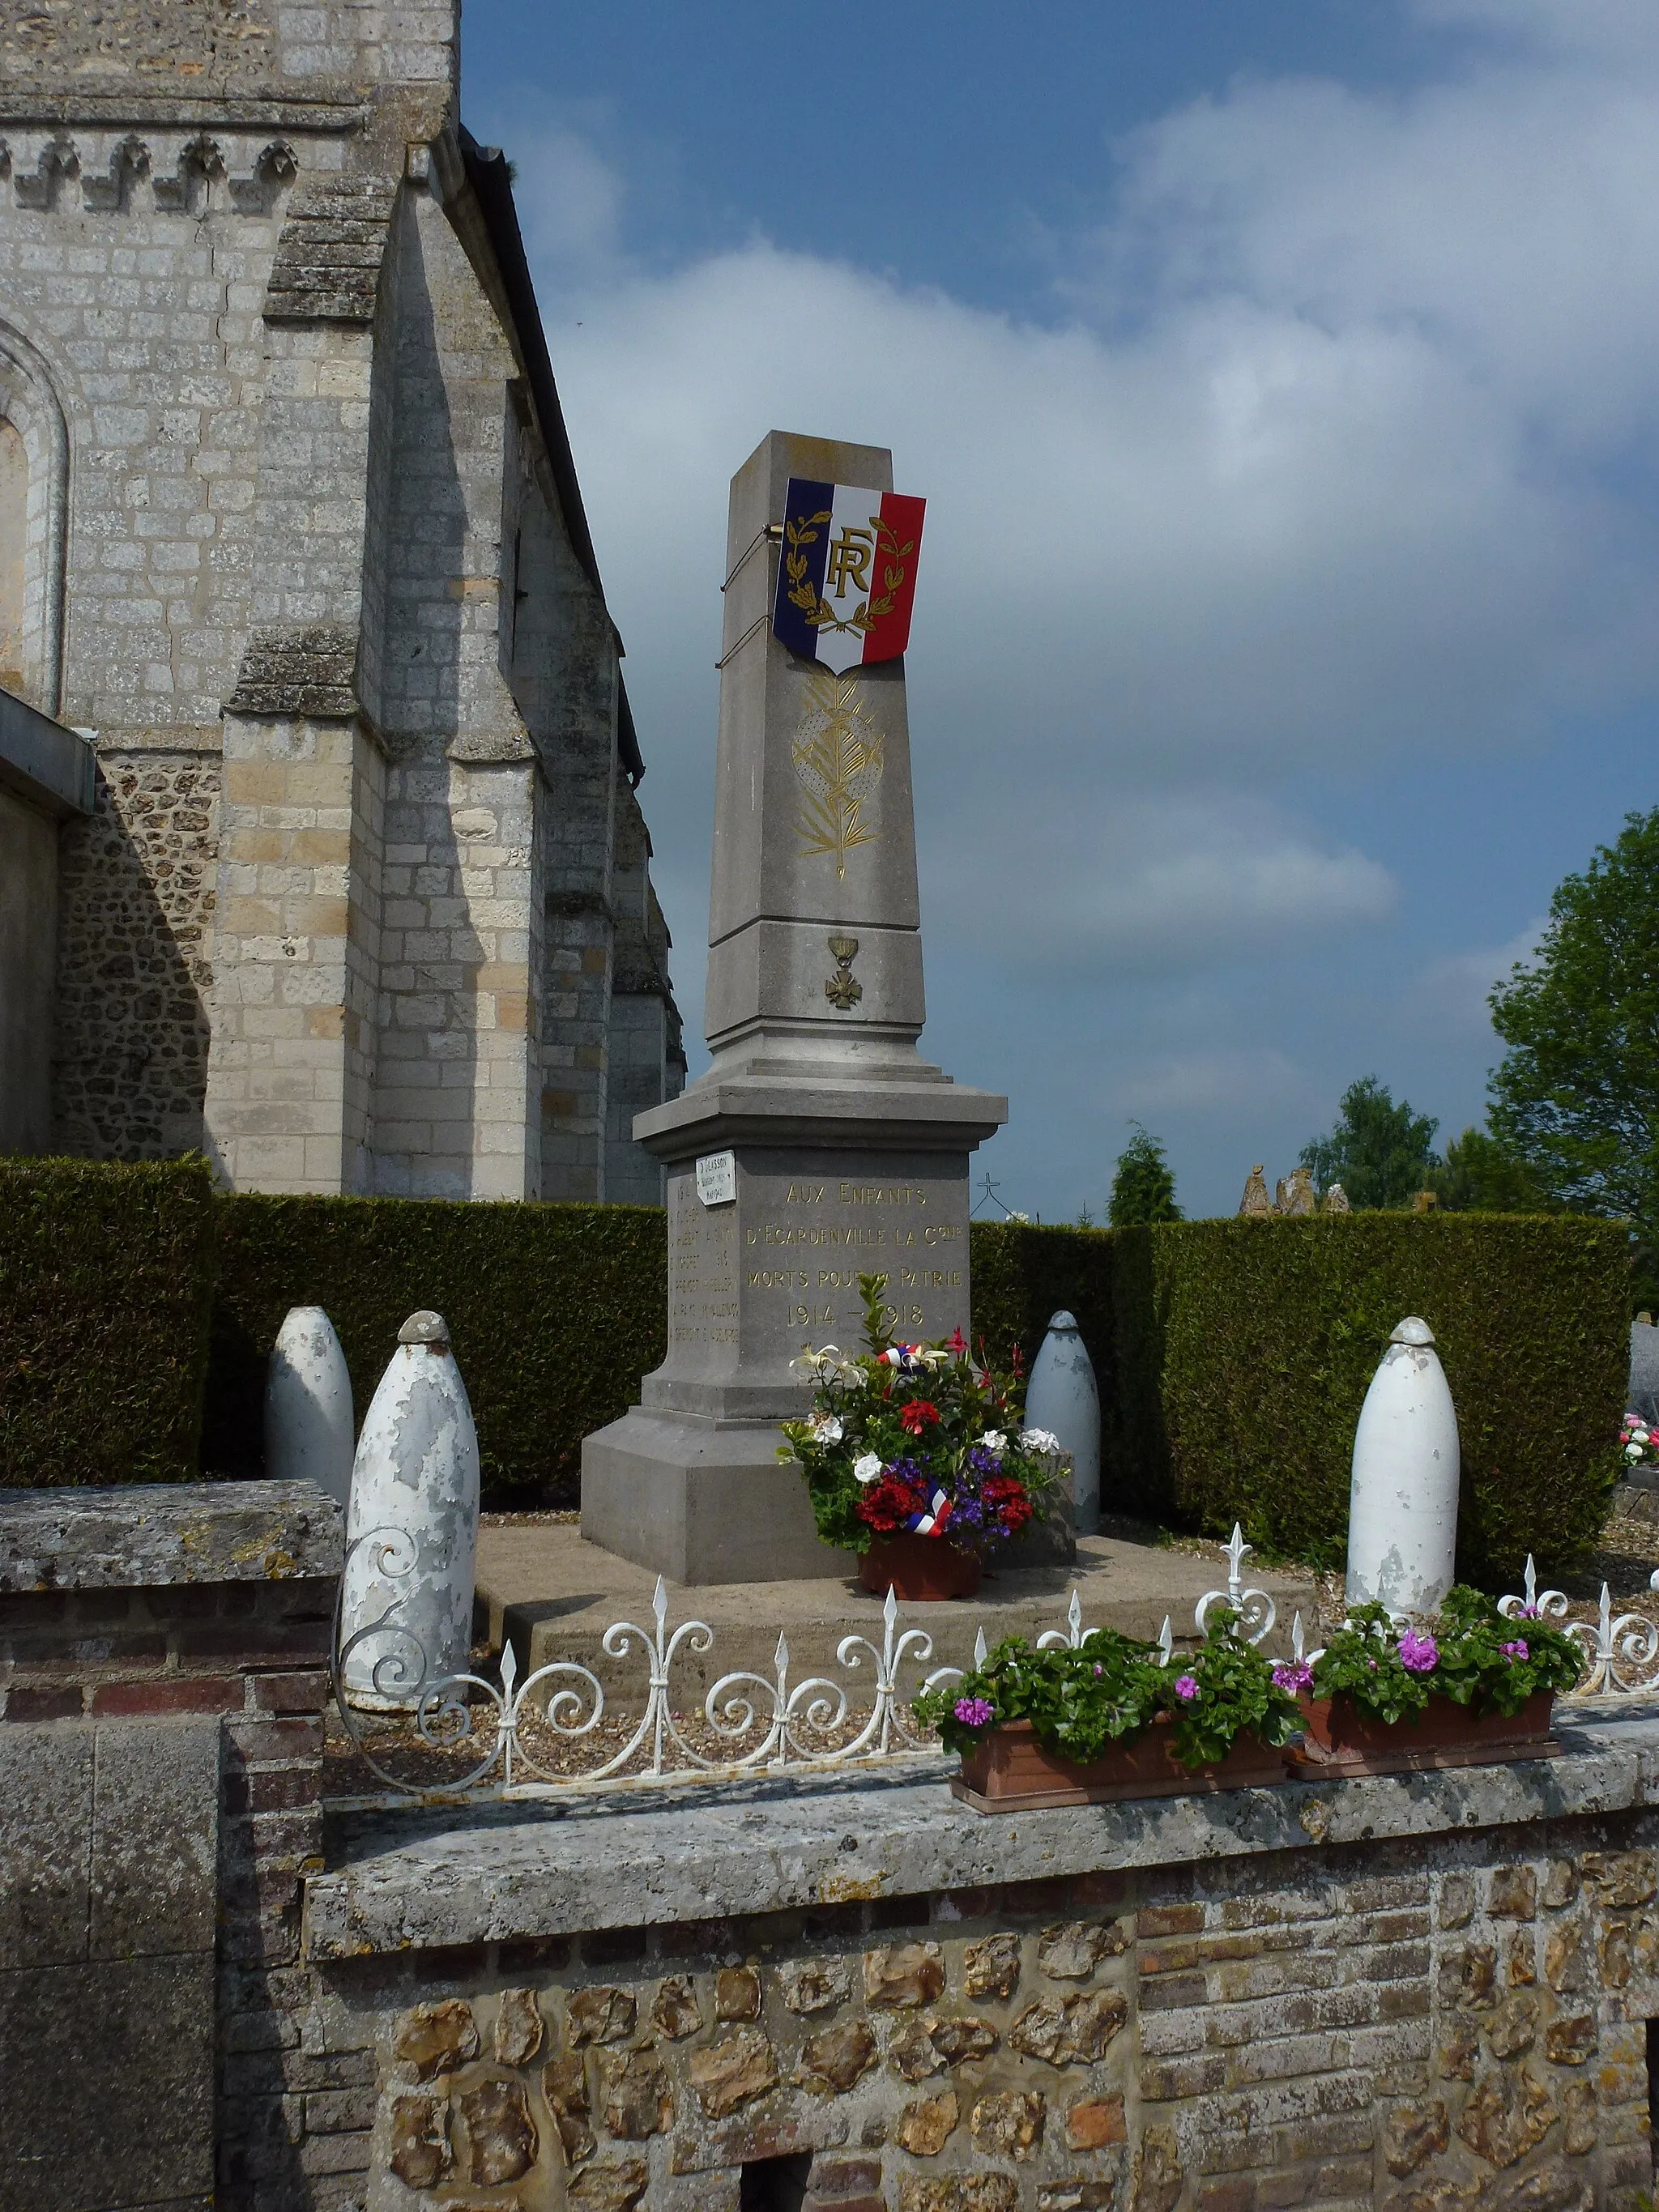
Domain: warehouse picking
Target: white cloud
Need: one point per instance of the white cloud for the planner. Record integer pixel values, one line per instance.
(1154, 884)
(1454, 988)
(1200, 1078)
(1337, 460)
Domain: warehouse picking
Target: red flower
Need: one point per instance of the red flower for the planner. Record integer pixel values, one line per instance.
(1004, 1496)
(918, 1415)
(887, 1506)
(958, 1341)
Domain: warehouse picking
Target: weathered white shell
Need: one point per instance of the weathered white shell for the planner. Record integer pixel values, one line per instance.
(1062, 1396)
(413, 1522)
(308, 1422)
(1402, 1507)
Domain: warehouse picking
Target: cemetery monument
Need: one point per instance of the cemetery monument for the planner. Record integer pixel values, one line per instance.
(820, 1144)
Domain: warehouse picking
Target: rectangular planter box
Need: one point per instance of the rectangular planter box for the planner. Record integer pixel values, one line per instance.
(1009, 1769)
(1341, 1739)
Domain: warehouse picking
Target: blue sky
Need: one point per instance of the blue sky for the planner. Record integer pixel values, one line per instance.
(1284, 380)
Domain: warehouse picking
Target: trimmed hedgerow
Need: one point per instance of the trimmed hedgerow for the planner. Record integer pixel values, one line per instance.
(1234, 1356)
(556, 1312)
(106, 1276)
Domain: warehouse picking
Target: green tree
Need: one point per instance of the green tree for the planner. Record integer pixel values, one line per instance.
(1143, 1189)
(1481, 1175)
(1577, 1095)
(1380, 1153)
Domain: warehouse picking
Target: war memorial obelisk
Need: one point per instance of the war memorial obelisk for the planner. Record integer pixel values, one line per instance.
(819, 1145)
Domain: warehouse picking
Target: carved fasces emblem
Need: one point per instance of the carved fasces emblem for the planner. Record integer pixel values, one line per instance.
(838, 754)
(847, 578)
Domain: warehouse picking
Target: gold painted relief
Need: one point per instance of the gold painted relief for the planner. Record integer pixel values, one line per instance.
(838, 754)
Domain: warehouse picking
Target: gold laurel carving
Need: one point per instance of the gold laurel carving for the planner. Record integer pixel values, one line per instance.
(819, 612)
(838, 754)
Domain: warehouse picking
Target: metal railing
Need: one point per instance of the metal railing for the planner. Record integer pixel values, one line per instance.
(495, 1739)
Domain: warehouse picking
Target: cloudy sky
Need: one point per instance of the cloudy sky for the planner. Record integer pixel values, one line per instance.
(1284, 383)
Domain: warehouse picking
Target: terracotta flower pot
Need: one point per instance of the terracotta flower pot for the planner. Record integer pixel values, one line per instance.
(919, 1569)
(1446, 1734)
(1009, 1768)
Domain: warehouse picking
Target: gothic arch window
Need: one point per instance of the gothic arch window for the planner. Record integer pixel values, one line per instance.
(33, 510)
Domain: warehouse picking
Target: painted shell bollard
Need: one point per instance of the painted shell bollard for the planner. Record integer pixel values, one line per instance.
(1402, 1509)
(412, 1532)
(1062, 1398)
(308, 1420)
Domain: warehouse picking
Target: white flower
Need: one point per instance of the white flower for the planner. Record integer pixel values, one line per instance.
(995, 1441)
(1632, 1451)
(826, 1429)
(1639, 1435)
(1040, 1440)
(866, 1468)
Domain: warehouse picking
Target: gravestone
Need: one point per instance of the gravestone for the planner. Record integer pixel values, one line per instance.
(819, 1145)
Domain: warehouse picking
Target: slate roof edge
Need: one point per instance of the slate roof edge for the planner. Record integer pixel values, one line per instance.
(51, 767)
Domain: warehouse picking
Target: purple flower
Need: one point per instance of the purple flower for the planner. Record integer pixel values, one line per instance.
(1528, 1613)
(1186, 1689)
(1419, 1654)
(1293, 1675)
(1099, 1670)
(974, 1712)
(1516, 1651)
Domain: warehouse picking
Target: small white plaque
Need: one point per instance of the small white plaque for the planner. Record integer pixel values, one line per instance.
(717, 1178)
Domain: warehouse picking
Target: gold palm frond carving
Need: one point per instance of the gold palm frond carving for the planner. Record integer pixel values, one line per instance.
(838, 756)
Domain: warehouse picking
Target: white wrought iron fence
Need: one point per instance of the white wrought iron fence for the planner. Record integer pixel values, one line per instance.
(501, 1738)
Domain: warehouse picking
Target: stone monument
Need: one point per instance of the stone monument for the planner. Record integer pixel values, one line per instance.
(819, 1145)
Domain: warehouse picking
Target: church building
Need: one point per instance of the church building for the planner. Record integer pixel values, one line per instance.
(320, 845)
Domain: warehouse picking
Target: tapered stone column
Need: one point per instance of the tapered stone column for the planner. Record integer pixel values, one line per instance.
(820, 1144)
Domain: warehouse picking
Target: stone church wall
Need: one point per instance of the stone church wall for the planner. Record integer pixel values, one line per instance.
(302, 555)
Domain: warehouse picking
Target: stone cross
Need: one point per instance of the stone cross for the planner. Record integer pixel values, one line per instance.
(820, 1144)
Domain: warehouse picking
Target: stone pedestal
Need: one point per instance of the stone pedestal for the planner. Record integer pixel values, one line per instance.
(820, 1144)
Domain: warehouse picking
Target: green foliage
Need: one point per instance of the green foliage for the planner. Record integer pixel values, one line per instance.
(106, 1274)
(1113, 1688)
(1470, 1654)
(1481, 1175)
(554, 1313)
(1380, 1153)
(1143, 1189)
(1577, 1094)
(1233, 1357)
(890, 1427)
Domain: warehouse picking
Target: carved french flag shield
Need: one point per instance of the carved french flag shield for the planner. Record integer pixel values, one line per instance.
(848, 576)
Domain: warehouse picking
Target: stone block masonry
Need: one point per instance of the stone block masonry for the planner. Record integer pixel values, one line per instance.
(1421, 1993)
(302, 545)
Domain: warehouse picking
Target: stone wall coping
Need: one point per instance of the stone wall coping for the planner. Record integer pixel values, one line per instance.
(42, 761)
(145, 1534)
(532, 1868)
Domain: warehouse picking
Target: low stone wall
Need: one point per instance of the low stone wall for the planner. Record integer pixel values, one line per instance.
(1418, 1992)
(841, 1993)
(161, 1688)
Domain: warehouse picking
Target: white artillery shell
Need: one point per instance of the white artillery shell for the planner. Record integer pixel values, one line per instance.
(308, 1420)
(1062, 1396)
(1402, 1509)
(412, 1533)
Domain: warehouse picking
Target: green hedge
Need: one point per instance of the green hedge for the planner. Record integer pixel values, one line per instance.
(106, 1275)
(1234, 1356)
(554, 1313)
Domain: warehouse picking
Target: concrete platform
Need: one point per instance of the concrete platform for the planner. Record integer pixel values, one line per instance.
(556, 1595)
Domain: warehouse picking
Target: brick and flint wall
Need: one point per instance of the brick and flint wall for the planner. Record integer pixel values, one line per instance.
(163, 1679)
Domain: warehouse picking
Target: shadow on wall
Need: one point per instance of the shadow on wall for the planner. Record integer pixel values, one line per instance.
(134, 909)
(427, 1063)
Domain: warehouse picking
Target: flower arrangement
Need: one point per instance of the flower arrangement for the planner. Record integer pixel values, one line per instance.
(1111, 1688)
(1470, 1653)
(1639, 1442)
(916, 1438)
